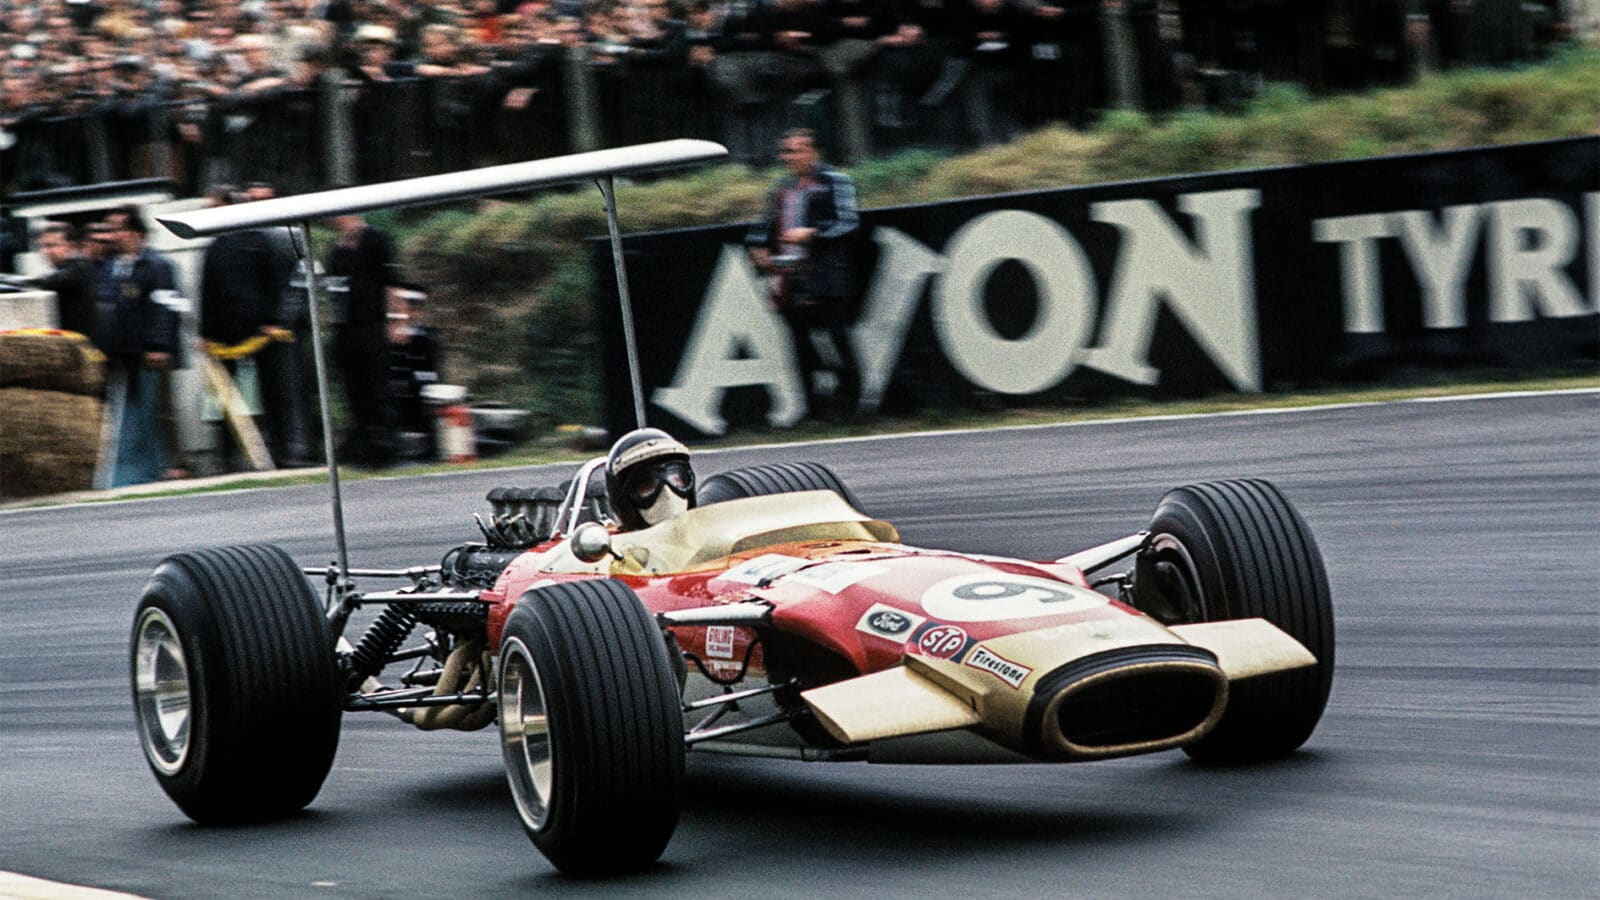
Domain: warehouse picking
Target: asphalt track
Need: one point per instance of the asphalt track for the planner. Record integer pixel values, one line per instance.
(1459, 756)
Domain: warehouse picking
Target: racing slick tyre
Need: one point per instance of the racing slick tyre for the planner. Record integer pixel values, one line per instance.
(1233, 550)
(235, 684)
(591, 727)
(773, 478)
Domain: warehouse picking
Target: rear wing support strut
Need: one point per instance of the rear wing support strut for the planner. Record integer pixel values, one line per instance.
(308, 259)
(608, 190)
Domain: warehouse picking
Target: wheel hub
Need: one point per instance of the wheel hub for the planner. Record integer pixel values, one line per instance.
(161, 691)
(525, 735)
(1171, 591)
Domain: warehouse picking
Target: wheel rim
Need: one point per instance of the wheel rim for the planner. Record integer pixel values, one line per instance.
(525, 735)
(1177, 598)
(161, 691)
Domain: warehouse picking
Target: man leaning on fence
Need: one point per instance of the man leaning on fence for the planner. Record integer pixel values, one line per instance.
(803, 244)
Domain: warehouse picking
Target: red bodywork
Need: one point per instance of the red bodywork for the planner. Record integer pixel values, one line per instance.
(823, 592)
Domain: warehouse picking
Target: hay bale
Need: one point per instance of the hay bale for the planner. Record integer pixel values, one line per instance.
(51, 361)
(49, 442)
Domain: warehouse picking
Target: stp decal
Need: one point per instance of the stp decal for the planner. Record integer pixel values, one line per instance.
(942, 641)
(996, 596)
(889, 623)
(998, 666)
(719, 641)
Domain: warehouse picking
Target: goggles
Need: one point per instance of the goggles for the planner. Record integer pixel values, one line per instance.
(642, 484)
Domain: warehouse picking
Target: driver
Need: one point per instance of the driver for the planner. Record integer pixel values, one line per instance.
(648, 478)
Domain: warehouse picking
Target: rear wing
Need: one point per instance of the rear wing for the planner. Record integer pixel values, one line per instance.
(444, 188)
(297, 212)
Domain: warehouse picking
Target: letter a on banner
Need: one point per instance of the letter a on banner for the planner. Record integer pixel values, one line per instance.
(738, 341)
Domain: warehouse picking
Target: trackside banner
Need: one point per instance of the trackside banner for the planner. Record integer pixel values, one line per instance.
(1246, 281)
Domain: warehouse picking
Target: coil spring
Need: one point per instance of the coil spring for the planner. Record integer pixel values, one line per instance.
(383, 638)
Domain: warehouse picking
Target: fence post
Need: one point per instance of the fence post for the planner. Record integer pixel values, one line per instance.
(582, 104)
(1122, 55)
(338, 150)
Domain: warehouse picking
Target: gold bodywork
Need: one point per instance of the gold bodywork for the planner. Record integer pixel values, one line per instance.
(888, 704)
(706, 534)
(937, 695)
(1245, 649)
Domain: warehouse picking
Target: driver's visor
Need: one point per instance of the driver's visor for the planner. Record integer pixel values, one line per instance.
(643, 483)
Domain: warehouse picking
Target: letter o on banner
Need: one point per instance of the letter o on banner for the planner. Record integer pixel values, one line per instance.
(1041, 358)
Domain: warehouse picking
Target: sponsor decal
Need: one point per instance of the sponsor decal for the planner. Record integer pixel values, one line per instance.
(889, 623)
(942, 641)
(1206, 280)
(998, 666)
(998, 596)
(764, 569)
(835, 577)
(722, 668)
(1526, 245)
(719, 641)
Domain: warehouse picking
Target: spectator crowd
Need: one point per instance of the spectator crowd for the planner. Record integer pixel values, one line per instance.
(309, 93)
(252, 346)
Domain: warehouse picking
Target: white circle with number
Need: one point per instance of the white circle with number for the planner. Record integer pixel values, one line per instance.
(999, 596)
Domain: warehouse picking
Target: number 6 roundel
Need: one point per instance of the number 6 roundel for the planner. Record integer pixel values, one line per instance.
(997, 596)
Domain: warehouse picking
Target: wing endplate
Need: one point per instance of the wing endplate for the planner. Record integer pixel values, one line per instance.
(1247, 647)
(891, 703)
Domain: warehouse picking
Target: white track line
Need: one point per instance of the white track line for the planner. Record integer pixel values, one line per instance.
(22, 887)
(78, 499)
(1134, 419)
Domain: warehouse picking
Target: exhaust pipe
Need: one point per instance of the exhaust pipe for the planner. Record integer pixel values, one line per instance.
(1121, 702)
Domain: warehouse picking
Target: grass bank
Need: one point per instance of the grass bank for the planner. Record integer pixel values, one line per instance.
(512, 285)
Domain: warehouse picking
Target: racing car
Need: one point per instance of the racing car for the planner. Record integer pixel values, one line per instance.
(772, 618)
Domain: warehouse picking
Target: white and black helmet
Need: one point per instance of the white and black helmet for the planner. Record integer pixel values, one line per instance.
(648, 478)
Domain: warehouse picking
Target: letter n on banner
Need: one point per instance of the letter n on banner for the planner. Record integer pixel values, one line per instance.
(1209, 283)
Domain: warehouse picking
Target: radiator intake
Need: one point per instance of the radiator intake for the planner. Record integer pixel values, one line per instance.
(1126, 701)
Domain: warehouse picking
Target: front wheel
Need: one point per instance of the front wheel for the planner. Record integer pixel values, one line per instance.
(235, 684)
(591, 727)
(1236, 550)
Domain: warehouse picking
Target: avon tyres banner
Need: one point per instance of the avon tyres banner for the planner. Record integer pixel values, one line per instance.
(1243, 281)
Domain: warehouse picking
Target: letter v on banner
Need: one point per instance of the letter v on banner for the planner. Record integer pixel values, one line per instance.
(1209, 284)
(738, 341)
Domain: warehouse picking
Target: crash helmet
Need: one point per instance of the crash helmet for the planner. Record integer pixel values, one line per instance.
(648, 478)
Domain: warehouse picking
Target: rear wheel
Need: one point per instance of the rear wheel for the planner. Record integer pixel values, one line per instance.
(235, 684)
(773, 478)
(591, 727)
(1233, 550)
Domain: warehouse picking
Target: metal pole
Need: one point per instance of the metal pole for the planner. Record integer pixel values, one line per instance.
(608, 190)
(302, 246)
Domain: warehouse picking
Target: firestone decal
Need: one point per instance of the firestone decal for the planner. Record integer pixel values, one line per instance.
(942, 641)
(719, 641)
(1004, 669)
(997, 596)
(889, 623)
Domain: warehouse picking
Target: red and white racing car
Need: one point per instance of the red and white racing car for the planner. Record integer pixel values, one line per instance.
(773, 619)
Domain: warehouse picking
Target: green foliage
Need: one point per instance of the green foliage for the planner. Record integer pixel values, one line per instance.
(512, 283)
